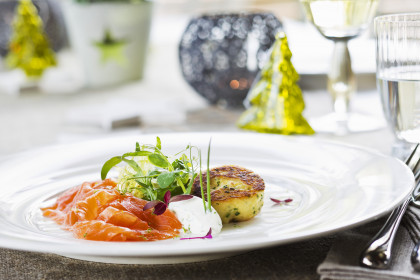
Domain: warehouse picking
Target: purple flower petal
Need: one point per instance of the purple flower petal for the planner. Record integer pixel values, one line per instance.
(160, 208)
(180, 197)
(208, 235)
(151, 204)
(278, 201)
(167, 197)
(275, 200)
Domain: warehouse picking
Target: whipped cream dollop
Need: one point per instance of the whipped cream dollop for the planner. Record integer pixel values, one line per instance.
(196, 221)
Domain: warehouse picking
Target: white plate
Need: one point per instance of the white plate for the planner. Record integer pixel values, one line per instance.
(333, 186)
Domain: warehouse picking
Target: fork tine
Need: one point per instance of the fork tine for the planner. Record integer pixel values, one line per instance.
(416, 191)
(412, 160)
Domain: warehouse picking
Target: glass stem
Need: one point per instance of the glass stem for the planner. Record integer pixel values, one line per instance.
(341, 79)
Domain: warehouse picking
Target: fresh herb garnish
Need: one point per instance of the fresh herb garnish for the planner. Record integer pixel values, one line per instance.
(149, 173)
(208, 206)
(160, 207)
(278, 201)
(208, 235)
(208, 179)
(201, 184)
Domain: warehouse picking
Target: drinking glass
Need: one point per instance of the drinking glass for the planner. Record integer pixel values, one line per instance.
(341, 21)
(398, 73)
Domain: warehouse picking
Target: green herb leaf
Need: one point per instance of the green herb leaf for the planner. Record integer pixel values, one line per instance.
(151, 173)
(192, 171)
(137, 154)
(158, 160)
(179, 181)
(132, 164)
(158, 143)
(166, 179)
(108, 165)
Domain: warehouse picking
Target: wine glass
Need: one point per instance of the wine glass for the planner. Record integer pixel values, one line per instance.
(341, 21)
(398, 76)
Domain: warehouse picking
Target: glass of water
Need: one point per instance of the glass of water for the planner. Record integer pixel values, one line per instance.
(398, 73)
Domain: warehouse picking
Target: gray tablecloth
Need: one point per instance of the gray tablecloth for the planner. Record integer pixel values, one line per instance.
(297, 261)
(342, 262)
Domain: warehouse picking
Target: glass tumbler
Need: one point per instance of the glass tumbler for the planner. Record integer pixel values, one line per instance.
(398, 73)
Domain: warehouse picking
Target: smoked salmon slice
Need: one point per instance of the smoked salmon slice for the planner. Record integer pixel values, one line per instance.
(97, 211)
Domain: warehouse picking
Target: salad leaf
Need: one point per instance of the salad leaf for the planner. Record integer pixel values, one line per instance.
(108, 165)
(166, 179)
(148, 173)
(158, 143)
(158, 160)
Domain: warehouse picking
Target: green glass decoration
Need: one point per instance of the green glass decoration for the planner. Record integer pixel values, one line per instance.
(275, 102)
(111, 49)
(29, 48)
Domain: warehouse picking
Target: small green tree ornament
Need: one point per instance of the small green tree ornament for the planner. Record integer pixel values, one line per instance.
(29, 48)
(275, 102)
(111, 49)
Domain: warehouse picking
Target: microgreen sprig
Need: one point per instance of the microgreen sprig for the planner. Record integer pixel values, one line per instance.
(160, 207)
(151, 175)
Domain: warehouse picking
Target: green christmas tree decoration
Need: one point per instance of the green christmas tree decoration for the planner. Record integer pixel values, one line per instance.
(29, 48)
(275, 102)
(111, 49)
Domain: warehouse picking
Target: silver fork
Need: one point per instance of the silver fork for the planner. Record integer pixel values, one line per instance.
(378, 251)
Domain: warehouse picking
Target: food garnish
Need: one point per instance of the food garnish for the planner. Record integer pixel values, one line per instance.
(160, 207)
(149, 173)
(279, 201)
(208, 235)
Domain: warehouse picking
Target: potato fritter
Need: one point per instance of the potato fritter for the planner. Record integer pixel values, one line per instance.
(237, 194)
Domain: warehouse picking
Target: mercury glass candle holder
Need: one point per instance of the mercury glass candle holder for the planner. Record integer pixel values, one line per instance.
(221, 54)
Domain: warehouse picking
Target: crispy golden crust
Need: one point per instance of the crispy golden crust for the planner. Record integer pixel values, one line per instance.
(232, 173)
(237, 194)
(221, 194)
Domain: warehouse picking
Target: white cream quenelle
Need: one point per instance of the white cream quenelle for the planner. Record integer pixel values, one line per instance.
(194, 219)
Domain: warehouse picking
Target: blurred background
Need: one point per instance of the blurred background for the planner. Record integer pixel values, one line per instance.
(72, 101)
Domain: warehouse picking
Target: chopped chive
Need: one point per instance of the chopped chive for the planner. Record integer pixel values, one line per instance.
(192, 172)
(208, 177)
(201, 183)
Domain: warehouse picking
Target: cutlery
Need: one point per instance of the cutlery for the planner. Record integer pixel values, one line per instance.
(415, 258)
(415, 254)
(378, 251)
